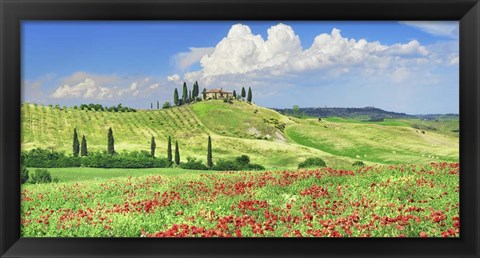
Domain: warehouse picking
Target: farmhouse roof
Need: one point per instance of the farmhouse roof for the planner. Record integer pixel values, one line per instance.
(217, 91)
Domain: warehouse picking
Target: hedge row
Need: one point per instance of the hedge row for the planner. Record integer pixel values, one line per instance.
(41, 158)
(49, 159)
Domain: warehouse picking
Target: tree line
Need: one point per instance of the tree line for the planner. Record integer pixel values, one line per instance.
(81, 149)
(92, 107)
(189, 96)
(193, 95)
(143, 159)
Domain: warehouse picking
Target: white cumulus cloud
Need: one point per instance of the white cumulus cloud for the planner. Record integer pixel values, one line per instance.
(242, 55)
(81, 85)
(242, 52)
(86, 89)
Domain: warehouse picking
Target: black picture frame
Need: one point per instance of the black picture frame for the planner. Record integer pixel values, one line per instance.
(12, 12)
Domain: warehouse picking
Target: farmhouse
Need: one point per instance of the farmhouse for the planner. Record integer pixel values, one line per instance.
(217, 94)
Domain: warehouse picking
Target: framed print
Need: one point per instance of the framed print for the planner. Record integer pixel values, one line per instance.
(239, 128)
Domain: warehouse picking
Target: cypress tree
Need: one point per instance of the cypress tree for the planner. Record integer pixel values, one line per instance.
(151, 105)
(249, 98)
(84, 151)
(190, 97)
(204, 93)
(209, 153)
(234, 94)
(193, 90)
(175, 97)
(158, 104)
(196, 91)
(177, 153)
(243, 92)
(153, 145)
(169, 150)
(76, 144)
(184, 93)
(111, 142)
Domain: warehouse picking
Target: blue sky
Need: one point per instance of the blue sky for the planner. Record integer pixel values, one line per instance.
(407, 67)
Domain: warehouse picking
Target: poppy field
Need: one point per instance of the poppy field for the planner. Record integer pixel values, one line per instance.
(369, 201)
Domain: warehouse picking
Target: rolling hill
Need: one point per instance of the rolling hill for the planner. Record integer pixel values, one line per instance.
(268, 137)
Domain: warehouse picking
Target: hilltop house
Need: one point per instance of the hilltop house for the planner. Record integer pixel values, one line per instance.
(217, 94)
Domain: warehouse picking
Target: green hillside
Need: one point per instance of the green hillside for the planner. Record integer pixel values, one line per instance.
(375, 143)
(242, 120)
(45, 127)
(268, 137)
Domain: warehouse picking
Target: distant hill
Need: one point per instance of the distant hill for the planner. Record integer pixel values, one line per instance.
(366, 113)
(438, 116)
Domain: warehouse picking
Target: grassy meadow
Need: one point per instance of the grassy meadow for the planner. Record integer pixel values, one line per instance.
(408, 185)
(370, 201)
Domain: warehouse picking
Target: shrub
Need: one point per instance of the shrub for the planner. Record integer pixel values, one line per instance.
(42, 158)
(358, 163)
(166, 105)
(142, 159)
(224, 165)
(41, 176)
(254, 167)
(192, 163)
(240, 163)
(23, 175)
(312, 162)
(243, 160)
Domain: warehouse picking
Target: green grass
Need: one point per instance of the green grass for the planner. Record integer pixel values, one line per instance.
(365, 201)
(447, 125)
(240, 119)
(375, 143)
(94, 202)
(268, 137)
(133, 131)
(100, 174)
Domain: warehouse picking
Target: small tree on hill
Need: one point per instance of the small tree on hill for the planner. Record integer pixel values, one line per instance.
(175, 97)
(204, 93)
(111, 142)
(234, 94)
(249, 98)
(166, 105)
(209, 153)
(243, 93)
(76, 144)
(153, 145)
(177, 154)
(151, 105)
(84, 151)
(158, 104)
(169, 150)
(189, 96)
